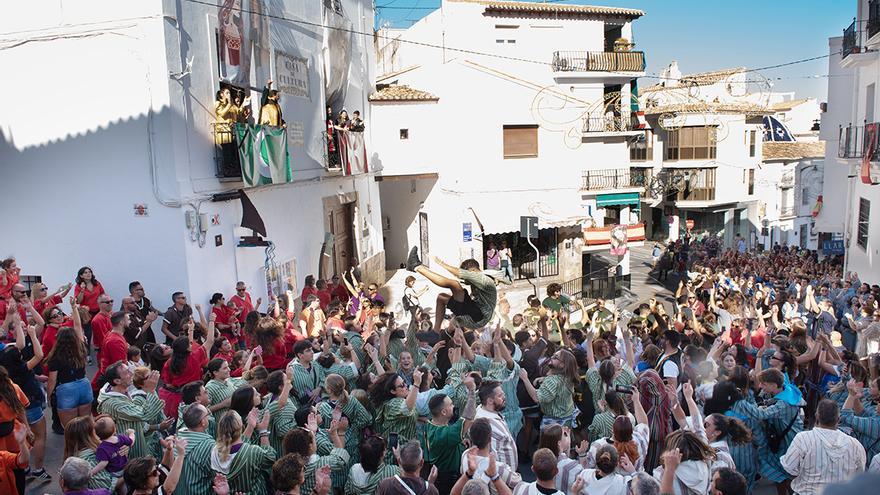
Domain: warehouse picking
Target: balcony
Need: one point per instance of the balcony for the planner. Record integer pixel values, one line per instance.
(873, 24)
(599, 238)
(787, 180)
(855, 46)
(787, 212)
(855, 140)
(583, 61)
(610, 179)
(689, 184)
(228, 164)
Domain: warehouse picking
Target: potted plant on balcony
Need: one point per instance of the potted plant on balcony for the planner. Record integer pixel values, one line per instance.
(623, 45)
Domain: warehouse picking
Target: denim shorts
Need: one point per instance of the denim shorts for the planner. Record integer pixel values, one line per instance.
(34, 414)
(71, 395)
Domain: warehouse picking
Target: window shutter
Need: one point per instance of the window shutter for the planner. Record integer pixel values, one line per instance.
(520, 141)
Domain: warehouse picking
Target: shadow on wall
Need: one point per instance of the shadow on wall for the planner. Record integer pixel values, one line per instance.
(402, 199)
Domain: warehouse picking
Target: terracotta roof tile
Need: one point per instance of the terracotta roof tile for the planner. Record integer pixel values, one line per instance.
(793, 150)
(524, 7)
(706, 107)
(783, 106)
(402, 93)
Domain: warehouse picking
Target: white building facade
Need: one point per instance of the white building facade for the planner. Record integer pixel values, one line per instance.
(534, 118)
(113, 158)
(706, 137)
(849, 125)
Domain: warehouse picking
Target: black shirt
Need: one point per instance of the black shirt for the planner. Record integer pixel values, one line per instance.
(66, 371)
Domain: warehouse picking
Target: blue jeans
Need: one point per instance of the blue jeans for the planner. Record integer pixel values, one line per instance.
(71, 395)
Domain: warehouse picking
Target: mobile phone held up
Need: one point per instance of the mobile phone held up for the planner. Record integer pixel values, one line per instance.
(624, 389)
(392, 440)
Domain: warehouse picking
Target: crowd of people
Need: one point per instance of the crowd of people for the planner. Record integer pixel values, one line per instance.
(764, 369)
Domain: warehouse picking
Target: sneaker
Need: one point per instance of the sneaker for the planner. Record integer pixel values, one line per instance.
(40, 476)
(413, 261)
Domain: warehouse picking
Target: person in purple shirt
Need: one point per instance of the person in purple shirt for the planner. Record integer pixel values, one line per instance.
(109, 452)
(74, 478)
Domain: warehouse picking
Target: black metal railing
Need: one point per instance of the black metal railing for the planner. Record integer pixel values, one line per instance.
(226, 151)
(583, 61)
(851, 41)
(873, 25)
(611, 178)
(851, 141)
(607, 123)
(599, 285)
(787, 211)
(548, 266)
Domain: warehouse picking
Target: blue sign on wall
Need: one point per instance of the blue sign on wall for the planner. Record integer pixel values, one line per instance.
(466, 232)
(832, 247)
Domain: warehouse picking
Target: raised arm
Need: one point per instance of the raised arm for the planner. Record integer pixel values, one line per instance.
(638, 410)
(77, 321)
(209, 338)
(414, 390)
(454, 270)
(38, 349)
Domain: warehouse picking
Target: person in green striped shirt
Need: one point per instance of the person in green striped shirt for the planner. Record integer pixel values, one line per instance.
(197, 475)
(281, 408)
(555, 394)
(395, 405)
(307, 376)
(129, 412)
(195, 393)
(288, 473)
(358, 416)
(364, 477)
(302, 441)
(219, 386)
(244, 465)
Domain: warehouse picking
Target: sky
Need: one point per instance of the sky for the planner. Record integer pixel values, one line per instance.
(705, 35)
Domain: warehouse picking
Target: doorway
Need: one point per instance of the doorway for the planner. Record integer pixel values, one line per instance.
(341, 222)
(423, 238)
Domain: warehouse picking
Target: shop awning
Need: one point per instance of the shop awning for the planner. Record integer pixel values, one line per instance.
(617, 199)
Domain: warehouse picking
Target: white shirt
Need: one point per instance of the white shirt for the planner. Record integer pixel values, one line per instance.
(821, 456)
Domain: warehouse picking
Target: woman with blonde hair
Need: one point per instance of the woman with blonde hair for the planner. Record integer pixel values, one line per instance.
(694, 473)
(81, 441)
(244, 465)
(41, 298)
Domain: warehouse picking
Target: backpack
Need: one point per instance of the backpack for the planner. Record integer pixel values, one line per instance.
(407, 305)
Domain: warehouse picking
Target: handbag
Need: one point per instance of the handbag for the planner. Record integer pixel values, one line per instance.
(774, 438)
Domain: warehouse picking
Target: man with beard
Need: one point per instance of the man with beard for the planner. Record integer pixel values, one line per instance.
(492, 403)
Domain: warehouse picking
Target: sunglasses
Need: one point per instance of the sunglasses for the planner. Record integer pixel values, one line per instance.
(240, 290)
(44, 289)
(107, 302)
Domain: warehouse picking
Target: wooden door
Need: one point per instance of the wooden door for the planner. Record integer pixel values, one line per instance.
(343, 236)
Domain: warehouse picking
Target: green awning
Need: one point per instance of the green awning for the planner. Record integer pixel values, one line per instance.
(617, 199)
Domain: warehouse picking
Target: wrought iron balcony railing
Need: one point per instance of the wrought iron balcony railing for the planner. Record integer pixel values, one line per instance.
(583, 61)
(606, 179)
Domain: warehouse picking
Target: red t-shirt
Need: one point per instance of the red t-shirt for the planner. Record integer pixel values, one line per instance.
(41, 306)
(226, 316)
(90, 297)
(307, 291)
(101, 326)
(115, 348)
(324, 297)
(21, 312)
(197, 360)
(6, 289)
(276, 358)
(8, 462)
(341, 292)
(244, 304)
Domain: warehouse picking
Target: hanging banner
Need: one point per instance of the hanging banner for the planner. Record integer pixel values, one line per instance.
(262, 150)
(242, 42)
(352, 152)
(870, 150)
(292, 74)
(618, 240)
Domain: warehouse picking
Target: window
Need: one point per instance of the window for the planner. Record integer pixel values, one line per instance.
(520, 141)
(805, 196)
(404, 134)
(864, 216)
(643, 150)
(751, 179)
(752, 145)
(869, 103)
(691, 143)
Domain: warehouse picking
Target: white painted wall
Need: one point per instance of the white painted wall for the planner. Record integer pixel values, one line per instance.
(460, 137)
(103, 110)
